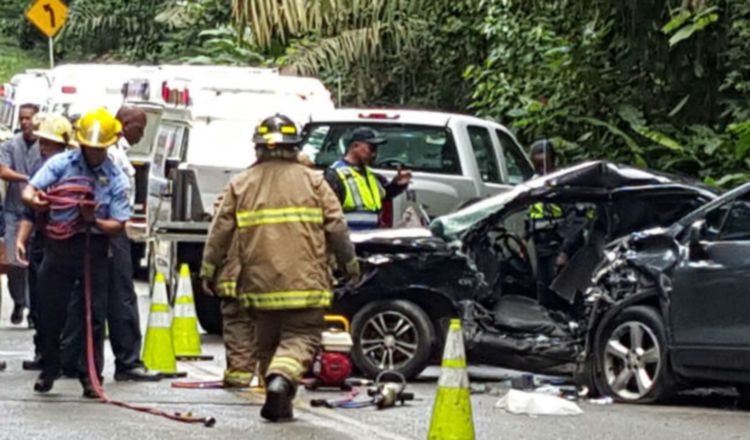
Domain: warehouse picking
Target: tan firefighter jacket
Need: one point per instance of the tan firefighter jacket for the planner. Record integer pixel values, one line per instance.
(284, 219)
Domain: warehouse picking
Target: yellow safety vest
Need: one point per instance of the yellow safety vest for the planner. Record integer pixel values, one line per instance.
(363, 197)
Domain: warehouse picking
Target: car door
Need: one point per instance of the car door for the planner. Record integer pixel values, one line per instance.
(487, 160)
(710, 303)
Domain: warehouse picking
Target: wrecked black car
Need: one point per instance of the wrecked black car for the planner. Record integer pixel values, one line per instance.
(477, 264)
(671, 306)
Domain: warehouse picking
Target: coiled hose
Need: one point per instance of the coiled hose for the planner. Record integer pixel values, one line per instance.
(78, 192)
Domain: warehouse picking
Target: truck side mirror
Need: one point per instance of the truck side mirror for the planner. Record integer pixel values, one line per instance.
(170, 164)
(695, 235)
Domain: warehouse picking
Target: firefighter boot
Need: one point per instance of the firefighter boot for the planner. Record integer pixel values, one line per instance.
(279, 395)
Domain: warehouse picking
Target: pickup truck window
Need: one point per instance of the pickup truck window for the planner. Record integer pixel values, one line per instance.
(481, 142)
(415, 147)
(515, 161)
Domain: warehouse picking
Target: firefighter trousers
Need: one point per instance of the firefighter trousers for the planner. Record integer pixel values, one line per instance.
(239, 343)
(287, 341)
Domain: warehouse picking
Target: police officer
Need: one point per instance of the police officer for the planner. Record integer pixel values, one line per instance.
(55, 134)
(17, 157)
(285, 220)
(68, 245)
(554, 229)
(123, 319)
(361, 191)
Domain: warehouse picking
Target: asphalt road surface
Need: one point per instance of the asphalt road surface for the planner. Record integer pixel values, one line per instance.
(63, 414)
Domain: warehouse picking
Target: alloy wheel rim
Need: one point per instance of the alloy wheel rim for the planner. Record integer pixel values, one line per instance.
(632, 360)
(389, 340)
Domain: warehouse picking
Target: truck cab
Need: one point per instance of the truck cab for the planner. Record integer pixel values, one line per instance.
(455, 159)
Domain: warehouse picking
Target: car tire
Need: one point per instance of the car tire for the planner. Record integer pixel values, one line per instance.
(744, 391)
(392, 335)
(632, 360)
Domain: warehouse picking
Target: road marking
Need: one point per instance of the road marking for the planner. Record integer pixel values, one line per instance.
(201, 370)
(328, 418)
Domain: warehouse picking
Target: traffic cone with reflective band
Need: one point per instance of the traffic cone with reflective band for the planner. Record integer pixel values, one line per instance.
(158, 351)
(187, 340)
(451, 415)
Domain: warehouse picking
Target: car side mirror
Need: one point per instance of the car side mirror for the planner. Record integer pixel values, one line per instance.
(695, 235)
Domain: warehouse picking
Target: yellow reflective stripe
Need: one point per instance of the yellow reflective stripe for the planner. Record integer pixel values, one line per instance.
(227, 288)
(207, 270)
(361, 197)
(541, 210)
(288, 364)
(247, 219)
(454, 363)
(298, 299)
(156, 308)
(288, 129)
(184, 300)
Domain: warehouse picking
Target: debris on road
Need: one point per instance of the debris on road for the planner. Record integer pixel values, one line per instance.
(536, 404)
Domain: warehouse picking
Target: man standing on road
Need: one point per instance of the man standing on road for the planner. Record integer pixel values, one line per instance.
(361, 191)
(17, 157)
(78, 174)
(286, 220)
(122, 303)
(55, 134)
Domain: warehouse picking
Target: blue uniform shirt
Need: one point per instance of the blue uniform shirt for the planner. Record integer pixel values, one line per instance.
(20, 157)
(110, 185)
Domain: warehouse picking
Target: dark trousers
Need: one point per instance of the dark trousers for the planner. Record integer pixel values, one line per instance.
(122, 312)
(62, 272)
(35, 256)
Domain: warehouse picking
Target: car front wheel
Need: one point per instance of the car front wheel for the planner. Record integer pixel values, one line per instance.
(632, 357)
(392, 335)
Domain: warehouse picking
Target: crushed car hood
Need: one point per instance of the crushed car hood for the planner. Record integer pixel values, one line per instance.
(596, 176)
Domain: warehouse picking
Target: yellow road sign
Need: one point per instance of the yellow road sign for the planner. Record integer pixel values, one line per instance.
(48, 16)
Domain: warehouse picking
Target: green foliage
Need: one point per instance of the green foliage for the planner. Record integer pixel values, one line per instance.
(14, 60)
(663, 84)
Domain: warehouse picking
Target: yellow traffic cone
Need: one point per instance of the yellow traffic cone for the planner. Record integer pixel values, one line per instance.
(451, 415)
(158, 352)
(187, 340)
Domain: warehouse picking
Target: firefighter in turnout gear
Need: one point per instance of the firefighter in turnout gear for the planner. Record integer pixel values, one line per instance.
(238, 322)
(361, 191)
(285, 220)
(556, 230)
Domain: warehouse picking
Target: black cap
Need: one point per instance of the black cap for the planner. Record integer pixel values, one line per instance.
(366, 134)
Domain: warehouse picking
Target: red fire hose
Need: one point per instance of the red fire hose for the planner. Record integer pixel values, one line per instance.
(77, 192)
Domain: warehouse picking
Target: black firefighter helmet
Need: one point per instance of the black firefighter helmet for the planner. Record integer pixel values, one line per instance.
(278, 130)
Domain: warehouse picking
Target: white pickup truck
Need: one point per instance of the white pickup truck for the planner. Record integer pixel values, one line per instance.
(456, 159)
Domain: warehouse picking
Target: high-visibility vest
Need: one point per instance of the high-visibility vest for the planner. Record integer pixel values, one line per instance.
(363, 196)
(545, 216)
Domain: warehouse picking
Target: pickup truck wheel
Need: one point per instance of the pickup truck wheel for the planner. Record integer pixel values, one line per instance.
(632, 357)
(392, 335)
(208, 308)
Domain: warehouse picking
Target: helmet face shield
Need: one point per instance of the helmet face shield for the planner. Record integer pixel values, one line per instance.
(98, 129)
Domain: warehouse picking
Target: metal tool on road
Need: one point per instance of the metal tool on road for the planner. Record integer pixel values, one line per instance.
(387, 394)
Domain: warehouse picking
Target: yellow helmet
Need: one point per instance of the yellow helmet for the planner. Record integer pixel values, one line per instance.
(98, 129)
(56, 128)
